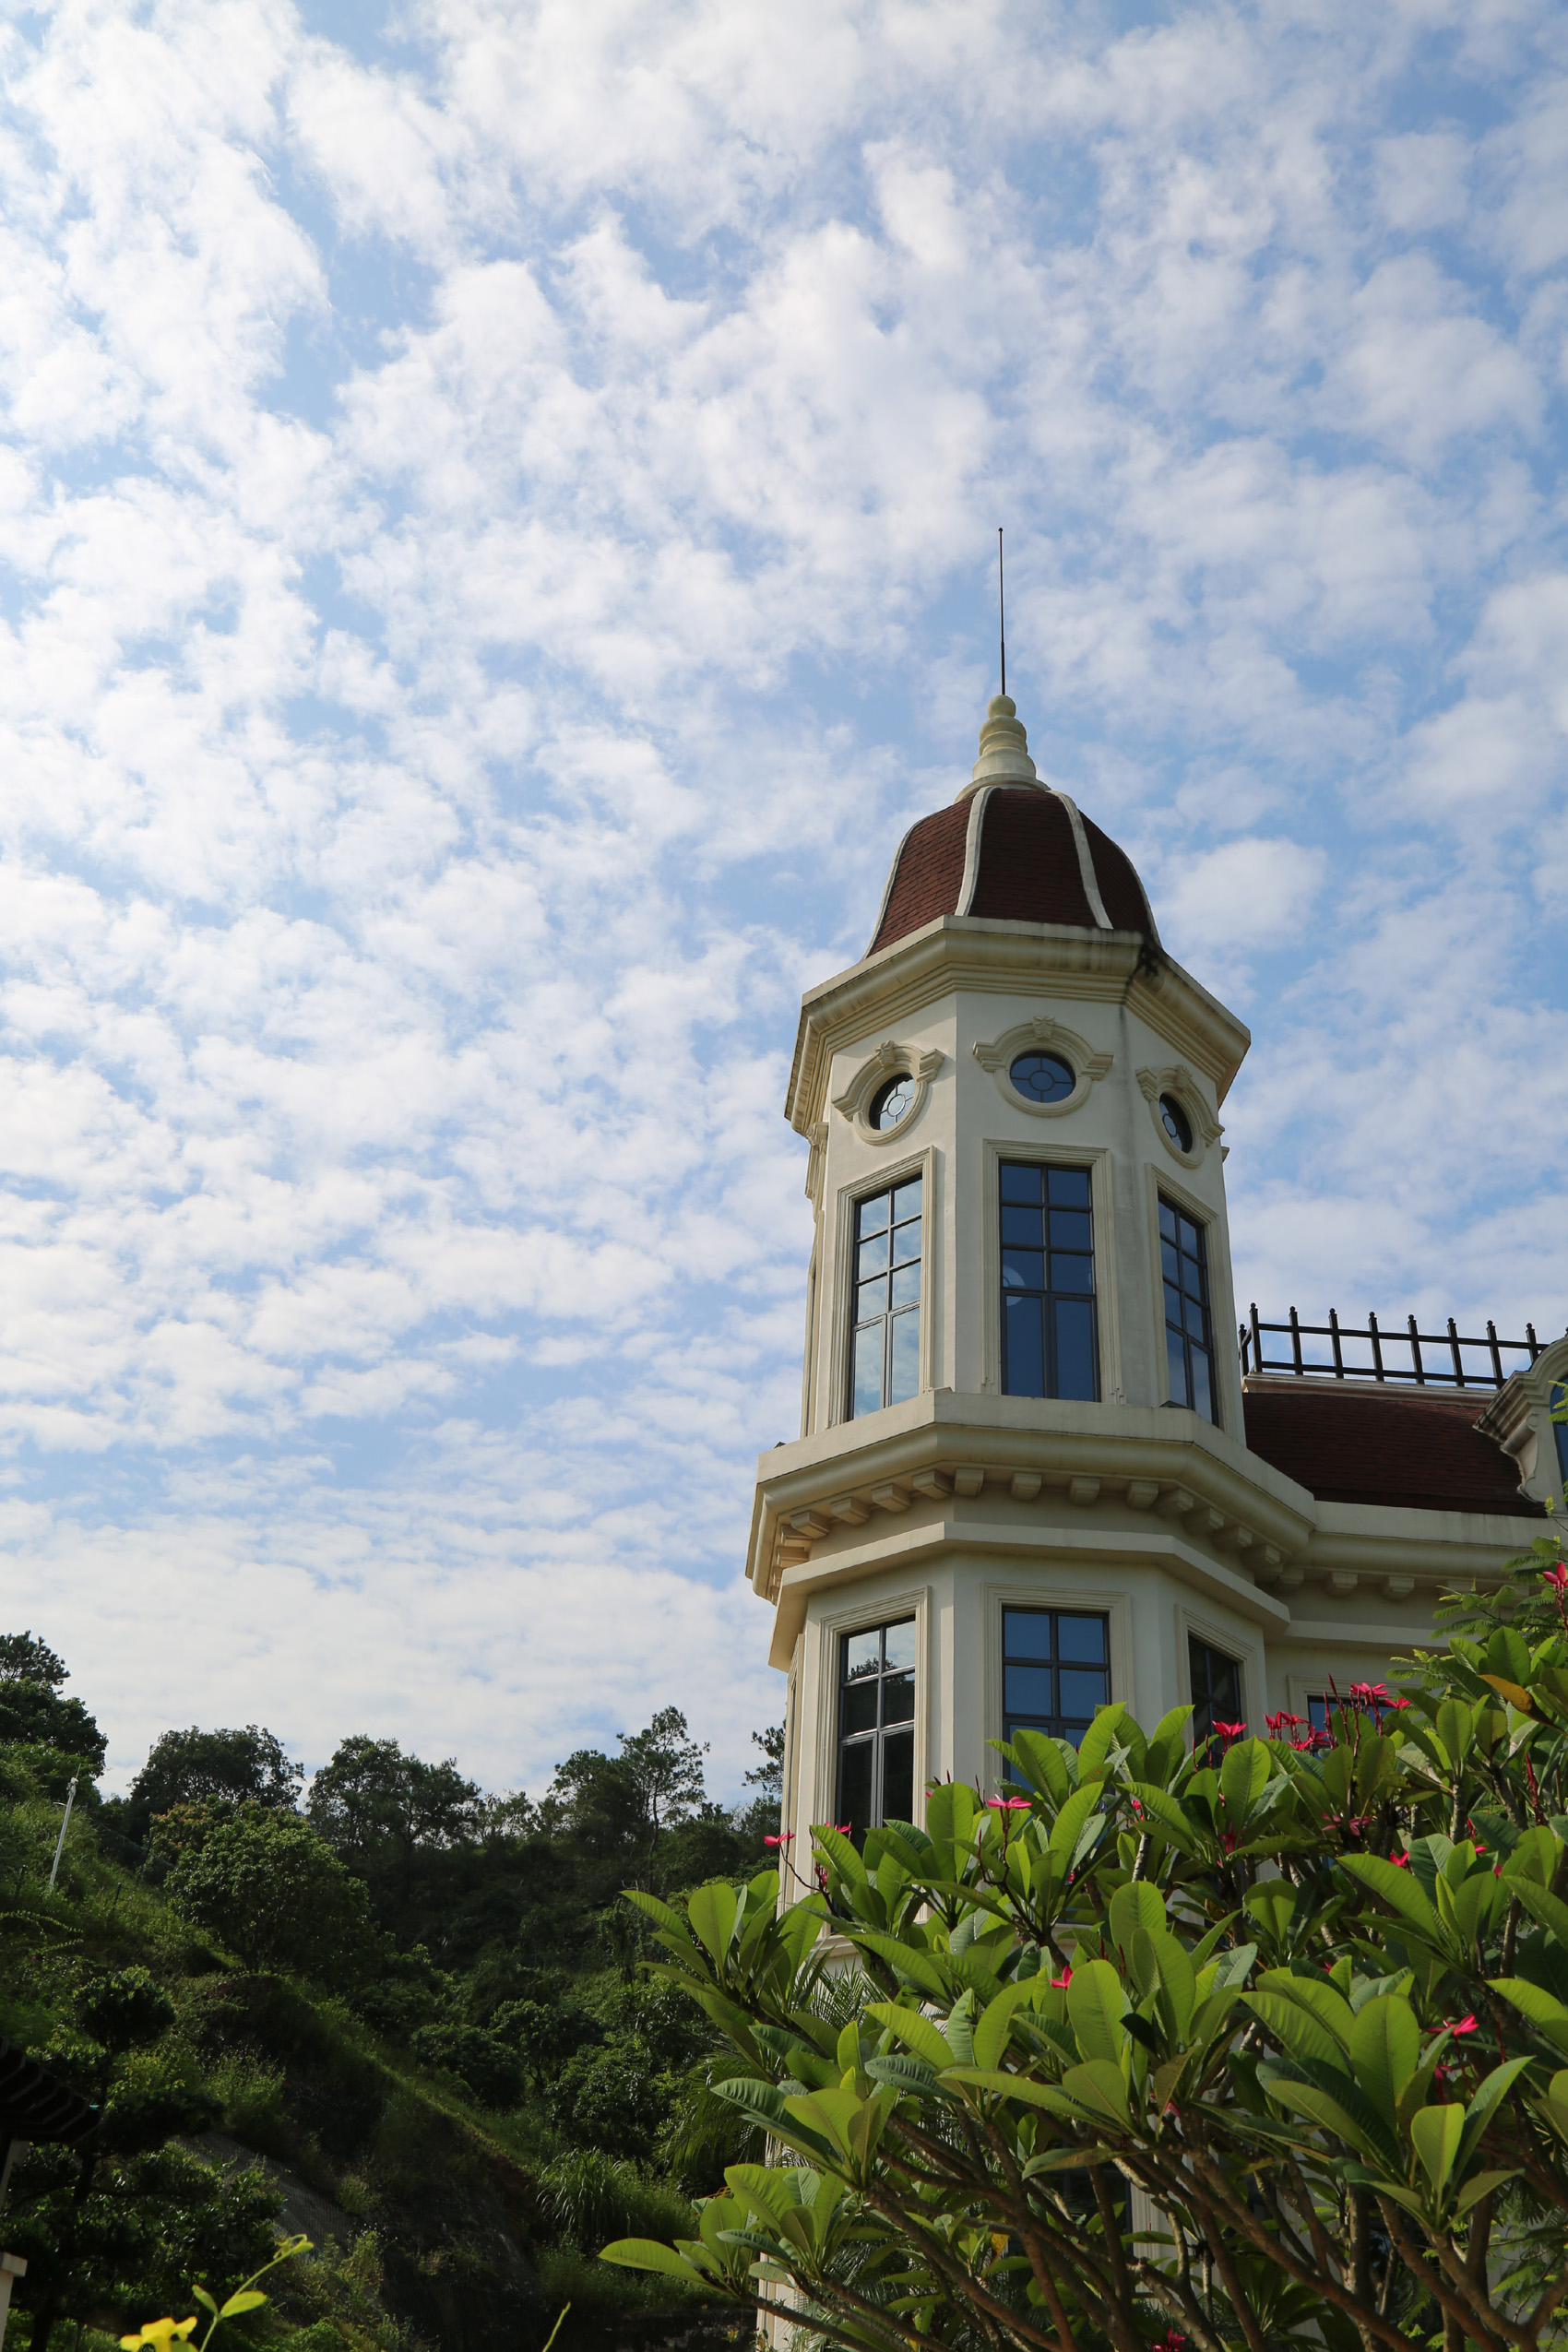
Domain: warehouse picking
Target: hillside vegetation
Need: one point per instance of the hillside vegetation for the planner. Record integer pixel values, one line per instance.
(409, 2019)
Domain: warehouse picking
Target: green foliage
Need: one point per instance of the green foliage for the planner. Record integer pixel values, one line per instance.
(265, 1885)
(192, 1767)
(1310, 2001)
(492, 2071)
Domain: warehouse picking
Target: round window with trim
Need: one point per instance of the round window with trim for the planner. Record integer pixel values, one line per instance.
(891, 1104)
(1042, 1077)
(1175, 1121)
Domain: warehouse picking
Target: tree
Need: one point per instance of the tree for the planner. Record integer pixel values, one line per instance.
(25, 1658)
(665, 1766)
(33, 1712)
(82, 2221)
(768, 1776)
(188, 1767)
(1303, 1996)
(265, 1884)
(378, 1807)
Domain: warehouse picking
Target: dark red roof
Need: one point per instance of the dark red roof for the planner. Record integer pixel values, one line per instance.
(1412, 1449)
(1027, 869)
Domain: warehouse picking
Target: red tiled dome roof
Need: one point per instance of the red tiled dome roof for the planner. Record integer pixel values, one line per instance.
(1018, 853)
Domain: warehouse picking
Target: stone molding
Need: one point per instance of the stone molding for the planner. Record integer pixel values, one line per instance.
(891, 1060)
(1042, 1035)
(1178, 1080)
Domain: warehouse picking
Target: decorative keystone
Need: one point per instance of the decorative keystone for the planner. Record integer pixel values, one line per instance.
(1175, 1503)
(1398, 1587)
(1083, 1491)
(1142, 1494)
(1026, 1485)
(1206, 1521)
(969, 1480)
(1269, 1564)
(934, 1484)
(890, 1497)
(1342, 1580)
(814, 1524)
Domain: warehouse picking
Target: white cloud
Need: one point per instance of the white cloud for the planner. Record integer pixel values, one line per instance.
(495, 548)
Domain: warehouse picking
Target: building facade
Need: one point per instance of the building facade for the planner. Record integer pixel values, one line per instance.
(1035, 1471)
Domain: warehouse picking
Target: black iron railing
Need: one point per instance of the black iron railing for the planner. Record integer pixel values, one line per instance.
(1308, 1361)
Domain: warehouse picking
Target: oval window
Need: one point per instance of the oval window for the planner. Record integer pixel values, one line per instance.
(892, 1103)
(1042, 1077)
(1175, 1121)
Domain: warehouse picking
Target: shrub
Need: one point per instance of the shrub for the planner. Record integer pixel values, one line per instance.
(268, 1885)
(1308, 1994)
(490, 2071)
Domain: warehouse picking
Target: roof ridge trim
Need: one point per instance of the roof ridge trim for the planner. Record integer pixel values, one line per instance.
(972, 837)
(1085, 863)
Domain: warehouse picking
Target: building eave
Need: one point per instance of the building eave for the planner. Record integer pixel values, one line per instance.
(959, 951)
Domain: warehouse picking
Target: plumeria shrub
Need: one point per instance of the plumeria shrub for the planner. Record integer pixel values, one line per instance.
(1263, 2044)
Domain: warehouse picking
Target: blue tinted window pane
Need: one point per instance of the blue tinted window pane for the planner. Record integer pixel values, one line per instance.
(863, 1655)
(870, 1298)
(854, 1785)
(1176, 1356)
(904, 1371)
(1195, 1320)
(1027, 1689)
(907, 1200)
(1071, 1229)
(1023, 1269)
(899, 1699)
(859, 1710)
(1024, 1227)
(1023, 1352)
(1069, 1188)
(906, 1283)
(901, 1643)
(1075, 1348)
(1173, 1306)
(907, 1242)
(874, 1213)
(868, 1370)
(1189, 1234)
(1168, 1220)
(1018, 1182)
(1081, 1640)
(872, 1255)
(899, 1777)
(1044, 1077)
(1191, 1278)
(1082, 1691)
(1025, 1632)
(1203, 1390)
(1170, 1261)
(1317, 1710)
(1071, 1273)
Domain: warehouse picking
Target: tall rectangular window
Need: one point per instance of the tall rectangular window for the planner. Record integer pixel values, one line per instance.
(1056, 1671)
(1189, 1336)
(885, 1351)
(1217, 1688)
(1049, 1344)
(876, 1727)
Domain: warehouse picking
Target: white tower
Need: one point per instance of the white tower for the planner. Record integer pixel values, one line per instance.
(1024, 1483)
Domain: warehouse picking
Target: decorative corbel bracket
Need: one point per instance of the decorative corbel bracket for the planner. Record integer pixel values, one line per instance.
(1178, 1081)
(1042, 1035)
(891, 1060)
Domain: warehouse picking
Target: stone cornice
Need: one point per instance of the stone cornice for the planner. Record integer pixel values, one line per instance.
(983, 1471)
(961, 951)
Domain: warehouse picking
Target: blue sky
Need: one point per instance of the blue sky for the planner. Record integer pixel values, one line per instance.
(496, 511)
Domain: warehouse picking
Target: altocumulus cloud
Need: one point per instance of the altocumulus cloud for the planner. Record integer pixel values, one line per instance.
(493, 512)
